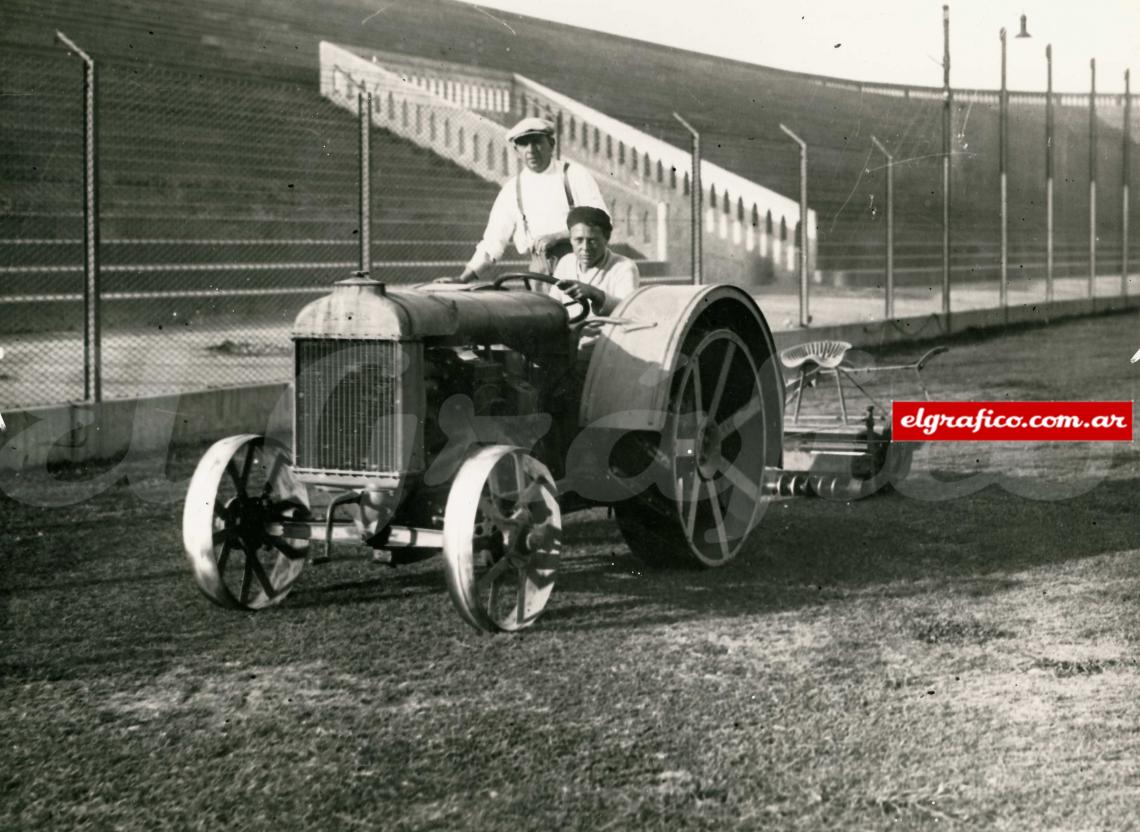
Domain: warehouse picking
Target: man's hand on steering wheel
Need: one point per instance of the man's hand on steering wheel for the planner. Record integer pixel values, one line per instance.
(583, 292)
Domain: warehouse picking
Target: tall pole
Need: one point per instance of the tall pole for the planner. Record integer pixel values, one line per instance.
(889, 302)
(92, 336)
(946, 111)
(805, 315)
(1092, 178)
(364, 108)
(696, 200)
(1003, 154)
(1126, 179)
(1049, 173)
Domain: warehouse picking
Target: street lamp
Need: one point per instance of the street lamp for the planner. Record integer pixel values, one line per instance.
(1003, 162)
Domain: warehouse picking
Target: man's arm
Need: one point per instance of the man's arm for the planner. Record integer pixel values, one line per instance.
(546, 241)
(622, 281)
(584, 188)
(496, 236)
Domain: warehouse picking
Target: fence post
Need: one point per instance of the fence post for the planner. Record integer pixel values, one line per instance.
(696, 195)
(92, 335)
(1003, 155)
(1049, 173)
(805, 315)
(890, 287)
(1092, 178)
(947, 108)
(1126, 179)
(364, 109)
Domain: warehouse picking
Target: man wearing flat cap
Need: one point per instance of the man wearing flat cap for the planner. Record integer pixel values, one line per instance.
(592, 273)
(530, 210)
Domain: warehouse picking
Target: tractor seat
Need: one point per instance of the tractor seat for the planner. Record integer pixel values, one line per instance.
(825, 354)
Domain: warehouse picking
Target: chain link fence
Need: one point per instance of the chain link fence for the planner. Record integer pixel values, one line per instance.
(227, 202)
(41, 228)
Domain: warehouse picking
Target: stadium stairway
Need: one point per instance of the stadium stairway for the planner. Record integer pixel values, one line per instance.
(219, 198)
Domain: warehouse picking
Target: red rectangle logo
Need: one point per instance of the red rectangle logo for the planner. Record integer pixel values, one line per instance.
(1011, 421)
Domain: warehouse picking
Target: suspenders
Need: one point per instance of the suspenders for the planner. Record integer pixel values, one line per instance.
(519, 199)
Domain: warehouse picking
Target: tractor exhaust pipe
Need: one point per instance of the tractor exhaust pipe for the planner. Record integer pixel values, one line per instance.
(780, 483)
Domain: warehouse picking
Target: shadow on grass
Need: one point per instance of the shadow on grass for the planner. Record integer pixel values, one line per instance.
(389, 584)
(809, 552)
(805, 552)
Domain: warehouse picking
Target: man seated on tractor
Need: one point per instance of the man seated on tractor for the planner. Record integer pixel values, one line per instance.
(531, 207)
(591, 273)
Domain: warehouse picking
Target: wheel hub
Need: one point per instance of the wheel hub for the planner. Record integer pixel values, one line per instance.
(245, 519)
(709, 442)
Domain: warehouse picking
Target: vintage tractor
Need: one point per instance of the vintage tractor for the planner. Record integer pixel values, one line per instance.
(467, 419)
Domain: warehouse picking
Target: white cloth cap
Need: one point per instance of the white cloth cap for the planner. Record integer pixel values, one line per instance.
(530, 126)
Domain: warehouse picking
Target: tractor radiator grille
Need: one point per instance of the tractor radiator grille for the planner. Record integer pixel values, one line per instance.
(347, 401)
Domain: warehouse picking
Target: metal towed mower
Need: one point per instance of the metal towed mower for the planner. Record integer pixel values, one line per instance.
(846, 429)
(467, 420)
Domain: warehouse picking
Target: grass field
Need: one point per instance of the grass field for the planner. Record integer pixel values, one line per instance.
(963, 654)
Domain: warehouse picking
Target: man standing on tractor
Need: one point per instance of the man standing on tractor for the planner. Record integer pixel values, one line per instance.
(531, 207)
(592, 273)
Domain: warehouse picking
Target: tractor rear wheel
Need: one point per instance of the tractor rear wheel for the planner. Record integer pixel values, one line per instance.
(712, 453)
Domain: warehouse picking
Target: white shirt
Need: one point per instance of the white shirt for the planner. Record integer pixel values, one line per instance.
(616, 275)
(544, 201)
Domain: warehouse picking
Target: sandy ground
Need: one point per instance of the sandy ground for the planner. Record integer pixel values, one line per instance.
(963, 654)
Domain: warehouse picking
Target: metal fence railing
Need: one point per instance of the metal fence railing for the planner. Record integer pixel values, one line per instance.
(227, 202)
(41, 228)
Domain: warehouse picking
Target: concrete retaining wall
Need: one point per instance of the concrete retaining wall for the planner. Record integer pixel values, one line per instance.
(73, 433)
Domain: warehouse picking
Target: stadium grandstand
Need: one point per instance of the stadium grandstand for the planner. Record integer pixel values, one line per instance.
(226, 175)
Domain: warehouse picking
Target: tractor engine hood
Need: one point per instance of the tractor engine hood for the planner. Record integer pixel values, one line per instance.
(361, 307)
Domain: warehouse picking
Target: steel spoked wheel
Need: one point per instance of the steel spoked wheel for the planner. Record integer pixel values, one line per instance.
(502, 537)
(241, 491)
(716, 443)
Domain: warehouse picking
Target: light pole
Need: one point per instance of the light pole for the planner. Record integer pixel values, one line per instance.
(1049, 173)
(890, 289)
(1003, 167)
(946, 107)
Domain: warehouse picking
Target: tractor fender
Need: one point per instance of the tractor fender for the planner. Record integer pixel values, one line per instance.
(627, 383)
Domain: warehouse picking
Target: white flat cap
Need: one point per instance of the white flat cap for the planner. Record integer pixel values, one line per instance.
(530, 126)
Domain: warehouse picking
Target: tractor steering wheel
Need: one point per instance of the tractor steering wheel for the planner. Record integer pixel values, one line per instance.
(527, 277)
